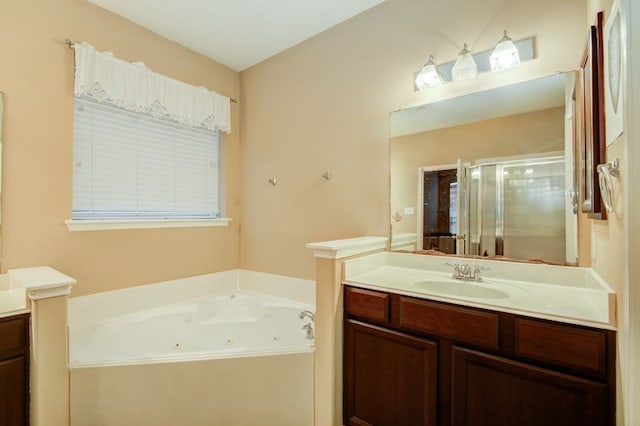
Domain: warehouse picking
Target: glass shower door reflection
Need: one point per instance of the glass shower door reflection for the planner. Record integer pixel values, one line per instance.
(533, 211)
(517, 209)
(483, 193)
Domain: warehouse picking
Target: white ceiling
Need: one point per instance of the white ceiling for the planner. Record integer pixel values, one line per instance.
(237, 33)
(532, 95)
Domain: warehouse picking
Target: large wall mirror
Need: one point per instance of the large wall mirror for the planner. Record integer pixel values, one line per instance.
(488, 174)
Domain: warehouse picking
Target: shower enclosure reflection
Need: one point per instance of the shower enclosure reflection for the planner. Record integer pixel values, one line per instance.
(517, 209)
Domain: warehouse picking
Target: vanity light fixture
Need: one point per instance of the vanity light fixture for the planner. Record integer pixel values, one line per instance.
(505, 55)
(465, 67)
(429, 76)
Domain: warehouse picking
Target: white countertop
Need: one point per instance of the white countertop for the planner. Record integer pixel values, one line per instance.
(567, 294)
(13, 302)
(19, 286)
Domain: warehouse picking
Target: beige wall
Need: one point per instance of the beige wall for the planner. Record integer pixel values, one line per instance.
(607, 251)
(37, 78)
(629, 328)
(607, 237)
(529, 133)
(324, 106)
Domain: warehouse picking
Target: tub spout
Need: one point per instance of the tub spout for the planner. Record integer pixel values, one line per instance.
(307, 314)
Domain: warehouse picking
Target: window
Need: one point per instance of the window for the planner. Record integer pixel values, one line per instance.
(146, 149)
(131, 166)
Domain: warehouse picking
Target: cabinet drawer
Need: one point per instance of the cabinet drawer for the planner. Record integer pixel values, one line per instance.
(367, 304)
(568, 346)
(456, 323)
(13, 335)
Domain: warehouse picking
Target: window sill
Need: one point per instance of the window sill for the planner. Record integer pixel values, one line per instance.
(107, 225)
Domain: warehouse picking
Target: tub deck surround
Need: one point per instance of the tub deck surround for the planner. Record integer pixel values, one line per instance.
(229, 324)
(235, 313)
(567, 294)
(98, 307)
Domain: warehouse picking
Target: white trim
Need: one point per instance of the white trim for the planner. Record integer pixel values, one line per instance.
(107, 225)
(339, 249)
(48, 293)
(41, 282)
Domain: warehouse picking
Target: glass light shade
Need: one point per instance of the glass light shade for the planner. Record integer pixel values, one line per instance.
(429, 75)
(505, 55)
(465, 67)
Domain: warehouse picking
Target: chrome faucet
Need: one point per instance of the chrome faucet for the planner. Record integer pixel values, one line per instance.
(464, 272)
(307, 314)
(309, 329)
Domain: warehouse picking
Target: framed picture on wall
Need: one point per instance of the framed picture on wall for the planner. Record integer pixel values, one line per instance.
(593, 148)
(613, 94)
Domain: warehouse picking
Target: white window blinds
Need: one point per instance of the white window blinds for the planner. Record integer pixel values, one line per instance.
(132, 166)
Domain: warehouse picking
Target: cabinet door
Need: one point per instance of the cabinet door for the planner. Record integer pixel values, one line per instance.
(390, 377)
(493, 391)
(12, 392)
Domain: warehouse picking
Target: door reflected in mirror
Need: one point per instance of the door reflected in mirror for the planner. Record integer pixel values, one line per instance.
(439, 210)
(487, 174)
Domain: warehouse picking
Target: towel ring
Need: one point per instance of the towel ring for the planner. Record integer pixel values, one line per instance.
(605, 173)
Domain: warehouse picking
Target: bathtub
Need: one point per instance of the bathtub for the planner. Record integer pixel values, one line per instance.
(225, 349)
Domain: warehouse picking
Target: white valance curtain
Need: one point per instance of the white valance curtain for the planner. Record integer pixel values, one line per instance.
(134, 87)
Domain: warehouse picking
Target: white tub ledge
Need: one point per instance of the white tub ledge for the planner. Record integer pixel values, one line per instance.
(41, 282)
(339, 249)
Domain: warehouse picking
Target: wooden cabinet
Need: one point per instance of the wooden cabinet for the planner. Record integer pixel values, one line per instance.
(392, 377)
(469, 366)
(489, 390)
(14, 377)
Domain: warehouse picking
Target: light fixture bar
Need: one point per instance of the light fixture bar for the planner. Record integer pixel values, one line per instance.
(525, 48)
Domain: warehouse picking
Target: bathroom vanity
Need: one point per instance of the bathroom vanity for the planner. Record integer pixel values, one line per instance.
(14, 370)
(422, 348)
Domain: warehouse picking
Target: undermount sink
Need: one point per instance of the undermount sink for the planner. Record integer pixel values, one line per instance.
(461, 289)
